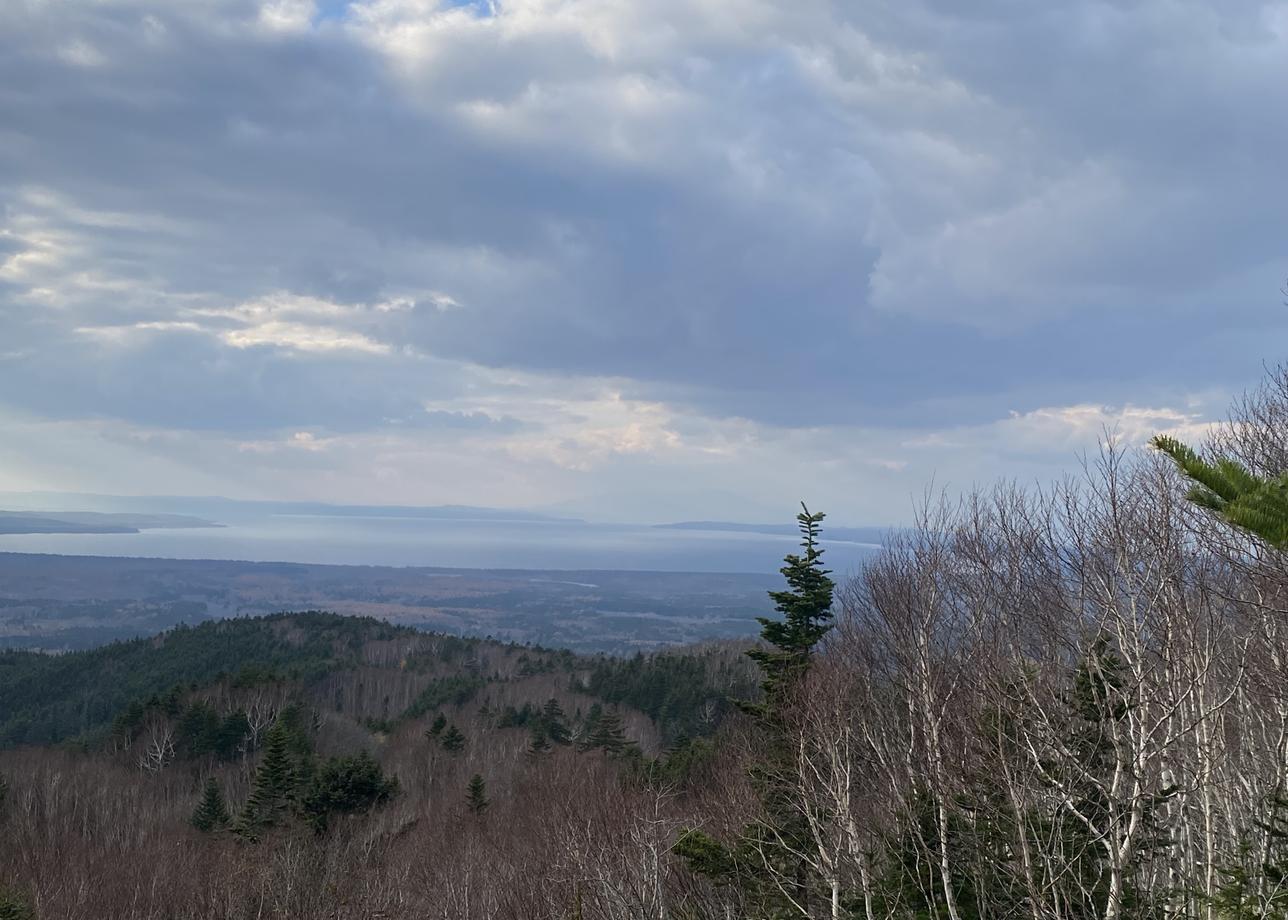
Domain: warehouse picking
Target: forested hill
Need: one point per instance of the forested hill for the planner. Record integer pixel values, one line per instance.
(51, 698)
(357, 668)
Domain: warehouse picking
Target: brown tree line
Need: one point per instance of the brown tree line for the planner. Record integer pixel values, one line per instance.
(568, 830)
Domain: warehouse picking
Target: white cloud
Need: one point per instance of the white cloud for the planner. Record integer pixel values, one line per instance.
(287, 15)
(279, 320)
(301, 337)
(82, 54)
(295, 322)
(1061, 432)
(1072, 427)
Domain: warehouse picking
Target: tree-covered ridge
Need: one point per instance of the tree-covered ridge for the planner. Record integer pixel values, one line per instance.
(456, 690)
(51, 698)
(111, 692)
(687, 693)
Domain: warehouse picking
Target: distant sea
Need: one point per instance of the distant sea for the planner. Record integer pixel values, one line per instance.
(486, 544)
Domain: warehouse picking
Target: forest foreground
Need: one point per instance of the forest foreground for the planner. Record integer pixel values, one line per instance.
(1065, 702)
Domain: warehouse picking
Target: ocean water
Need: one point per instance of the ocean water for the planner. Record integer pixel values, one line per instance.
(484, 544)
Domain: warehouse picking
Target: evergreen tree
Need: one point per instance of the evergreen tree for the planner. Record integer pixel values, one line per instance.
(1257, 888)
(540, 742)
(453, 740)
(212, 812)
(588, 725)
(683, 693)
(1252, 503)
(347, 784)
(1084, 764)
(608, 734)
(173, 701)
(13, 906)
(806, 608)
(476, 795)
(436, 728)
(276, 780)
(767, 866)
(232, 735)
(554, 722)
(199, 730)
(127, 722)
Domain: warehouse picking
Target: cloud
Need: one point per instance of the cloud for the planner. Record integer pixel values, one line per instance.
(596, 247)
(1055, 430)
(298, 323)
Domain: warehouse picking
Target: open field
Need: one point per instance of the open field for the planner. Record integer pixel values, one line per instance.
(65, 602)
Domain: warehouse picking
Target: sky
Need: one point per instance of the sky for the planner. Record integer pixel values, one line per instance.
(660, 260)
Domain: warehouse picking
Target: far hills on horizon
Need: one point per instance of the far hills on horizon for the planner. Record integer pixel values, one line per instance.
(85, 522)
(90, 513)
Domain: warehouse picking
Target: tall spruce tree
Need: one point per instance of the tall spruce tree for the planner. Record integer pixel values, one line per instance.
(212, 812)
(608, 734)
(587, 728)
(806, 608)
(476, 795)
(276, 779)
(554, 723)
(767, 865)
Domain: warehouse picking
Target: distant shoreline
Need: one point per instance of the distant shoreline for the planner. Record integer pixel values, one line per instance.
(873, 537)
(15, 523)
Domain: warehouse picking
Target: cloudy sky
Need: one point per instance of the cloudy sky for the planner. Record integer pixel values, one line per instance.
(636, 259)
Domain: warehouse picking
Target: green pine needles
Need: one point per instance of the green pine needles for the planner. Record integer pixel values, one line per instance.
(766, 865)
(548, 728)
(212, 810)
(14, 906)
(292, 783)
(806, 608)
(608, 734)
(1252, 503)
(452, 740)
(275, 786)
(476, 795)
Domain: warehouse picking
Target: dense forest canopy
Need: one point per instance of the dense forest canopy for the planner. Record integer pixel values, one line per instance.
(1059, 704)
(50, 698)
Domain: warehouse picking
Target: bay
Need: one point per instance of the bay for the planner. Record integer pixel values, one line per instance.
(486, 544)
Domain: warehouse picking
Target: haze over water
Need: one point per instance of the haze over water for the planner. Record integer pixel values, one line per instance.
(371, 540)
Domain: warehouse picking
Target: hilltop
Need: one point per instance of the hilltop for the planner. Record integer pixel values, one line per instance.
(356, 670)
(326, 756)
